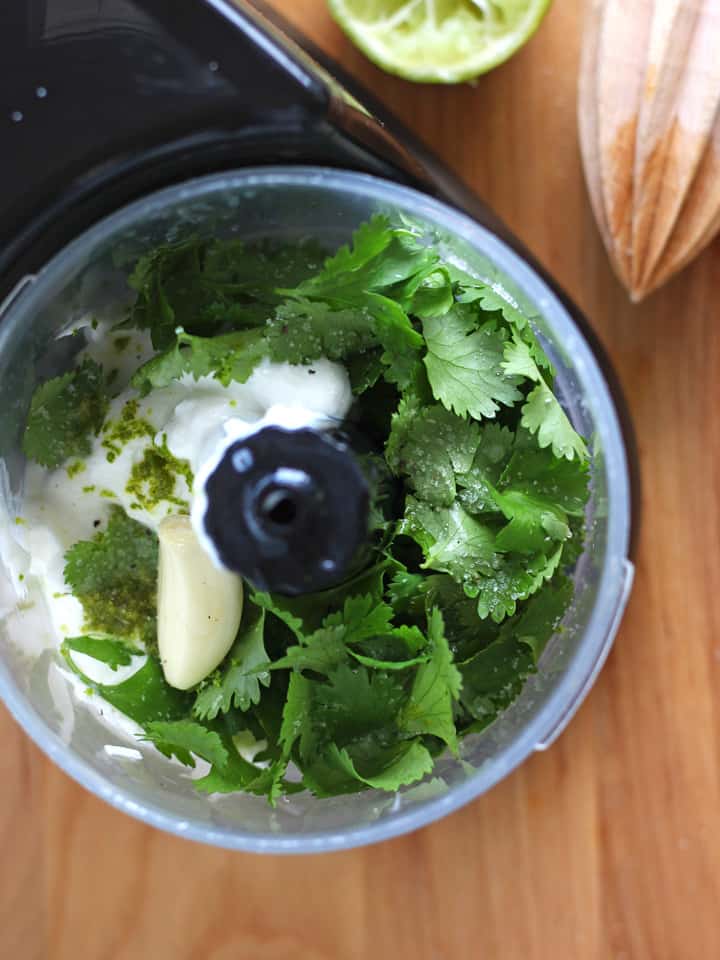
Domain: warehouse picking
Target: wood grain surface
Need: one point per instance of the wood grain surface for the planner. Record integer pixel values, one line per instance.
(607, 847)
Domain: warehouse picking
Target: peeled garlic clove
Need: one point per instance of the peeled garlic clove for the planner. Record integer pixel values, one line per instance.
(199, 606)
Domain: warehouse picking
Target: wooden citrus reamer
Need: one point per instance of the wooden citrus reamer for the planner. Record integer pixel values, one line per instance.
(649, 117)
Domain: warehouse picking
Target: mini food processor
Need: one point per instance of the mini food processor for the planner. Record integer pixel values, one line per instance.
(129, 123)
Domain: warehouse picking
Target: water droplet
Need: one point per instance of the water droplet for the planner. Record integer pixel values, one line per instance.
(16, 116)
(41, 92)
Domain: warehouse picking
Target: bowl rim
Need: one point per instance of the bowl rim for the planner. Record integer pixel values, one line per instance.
(614, 585)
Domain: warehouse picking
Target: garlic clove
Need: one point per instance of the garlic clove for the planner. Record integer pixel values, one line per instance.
(199, 606)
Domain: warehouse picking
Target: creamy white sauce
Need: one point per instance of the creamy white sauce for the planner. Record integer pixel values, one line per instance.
(196, 420)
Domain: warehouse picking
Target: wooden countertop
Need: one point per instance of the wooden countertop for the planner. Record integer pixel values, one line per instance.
(608, 845)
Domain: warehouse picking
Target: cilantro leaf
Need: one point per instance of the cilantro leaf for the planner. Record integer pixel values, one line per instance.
(380, 258)
(456, 543)
(497, 304)
(453, 541)
(477, 486)
(294, 723)
(405, 589)
(208, 286)
(305, 613)
(429, 709)
(541, 412)
(430, 445)
(561, 482)
(236, 682)
(511, 579)
(108, 650)
(143, 697)
(518, 360)
(494, 301)
(234, 773)
(356, 702)
(533, 520)
(302, 331)
(170, 290)
(65, 413)
(494, 677)
(296, 715)
(363, 278)
(400, 341)
(535, 491)
(361, 618)
(259, 267)
(541, 616)
(466, 632)
(391, 768)
(183, 738)
(433, 297)
(357, 711)
(230, 357)
(281, 607)
(382, 646)
(489, 299)
(114, 576)
(325, 777)
(463, 365)
(322, 652)
(364, 370)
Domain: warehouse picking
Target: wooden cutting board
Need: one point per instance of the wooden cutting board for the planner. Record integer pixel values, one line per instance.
(605, 848)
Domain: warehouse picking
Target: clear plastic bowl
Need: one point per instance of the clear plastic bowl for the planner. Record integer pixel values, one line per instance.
(295, 202)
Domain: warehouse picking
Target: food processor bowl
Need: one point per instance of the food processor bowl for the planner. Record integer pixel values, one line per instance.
(293, 203)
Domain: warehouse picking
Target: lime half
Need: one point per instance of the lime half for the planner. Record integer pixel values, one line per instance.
(439, 41)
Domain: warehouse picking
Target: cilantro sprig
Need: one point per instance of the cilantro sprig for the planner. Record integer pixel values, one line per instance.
(65, 413)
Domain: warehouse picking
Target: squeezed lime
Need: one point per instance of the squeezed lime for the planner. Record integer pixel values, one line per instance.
(439, 41)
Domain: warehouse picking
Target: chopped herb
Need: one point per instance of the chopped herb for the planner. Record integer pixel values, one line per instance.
(65, 414)
(114, 576)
